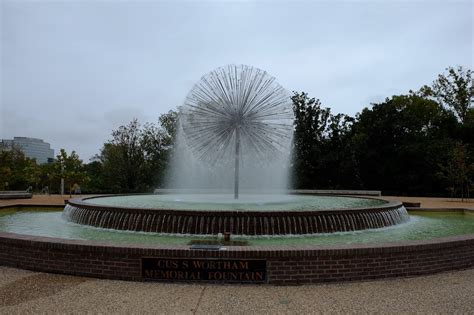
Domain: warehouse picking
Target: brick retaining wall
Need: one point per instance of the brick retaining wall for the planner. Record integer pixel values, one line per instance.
(285, 264)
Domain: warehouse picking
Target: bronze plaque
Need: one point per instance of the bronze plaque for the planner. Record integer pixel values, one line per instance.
(213, 270)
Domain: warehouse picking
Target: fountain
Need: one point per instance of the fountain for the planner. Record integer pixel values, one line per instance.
(263, 220)
(230, 178)
(236, 112)
(236, 116)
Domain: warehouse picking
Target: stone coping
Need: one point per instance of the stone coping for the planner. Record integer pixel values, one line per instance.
(84, 203)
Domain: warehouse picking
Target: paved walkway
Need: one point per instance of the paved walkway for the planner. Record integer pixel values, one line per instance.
(436, 202)
(25, 292)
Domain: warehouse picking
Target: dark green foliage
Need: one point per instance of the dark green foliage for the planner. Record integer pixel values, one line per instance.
(310, 126)
(96, 182)
(458, 171)
(20, 173)
(70, 168)
(135, 159)
(400, 143)
(455, 90)
(323, 157)
(407, 145)
(17, 172)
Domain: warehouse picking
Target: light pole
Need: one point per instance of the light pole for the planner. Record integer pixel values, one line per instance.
(62, 178)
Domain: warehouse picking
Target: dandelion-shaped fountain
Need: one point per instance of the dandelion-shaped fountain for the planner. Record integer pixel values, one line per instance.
(237, 110)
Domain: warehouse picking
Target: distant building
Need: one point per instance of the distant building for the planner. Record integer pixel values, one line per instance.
(32, 148)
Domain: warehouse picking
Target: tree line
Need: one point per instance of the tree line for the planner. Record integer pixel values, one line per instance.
(132, 161)
(420, 143)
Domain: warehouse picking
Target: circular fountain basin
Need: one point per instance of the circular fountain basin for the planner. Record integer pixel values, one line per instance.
(430, 242)
(202, 214)
(422, 226)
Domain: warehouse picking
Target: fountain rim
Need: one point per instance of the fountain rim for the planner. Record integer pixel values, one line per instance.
(83, 203)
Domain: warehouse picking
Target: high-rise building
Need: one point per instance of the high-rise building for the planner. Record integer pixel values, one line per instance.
(33, 148)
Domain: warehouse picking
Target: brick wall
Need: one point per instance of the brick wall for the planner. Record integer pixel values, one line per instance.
(285, 265)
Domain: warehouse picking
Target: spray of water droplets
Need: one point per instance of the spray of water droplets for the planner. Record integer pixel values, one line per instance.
(237, 108)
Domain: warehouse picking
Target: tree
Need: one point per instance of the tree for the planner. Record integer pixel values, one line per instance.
(157, 144)
(323, 156)
(70, 168)
(310, 126)
(340, 168)
(112, 161)
(400, 143)
(135, 159)
(454, 90)
(169, 126)
(95, 174)
(17, 172)
(458, 170)
(49, 179)
(32, 174)
(127, 141)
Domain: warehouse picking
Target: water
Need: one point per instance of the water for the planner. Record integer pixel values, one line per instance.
(241, 223)
(257, 175)
(421, 226)
(249, 202)
(235, 130)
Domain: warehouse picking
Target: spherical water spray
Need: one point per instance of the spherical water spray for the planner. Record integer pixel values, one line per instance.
(235, 111)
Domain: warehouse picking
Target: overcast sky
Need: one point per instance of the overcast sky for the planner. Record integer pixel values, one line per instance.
(73, 71)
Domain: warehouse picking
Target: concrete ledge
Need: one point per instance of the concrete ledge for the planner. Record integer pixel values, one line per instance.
(15, 195)
(336, 192)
